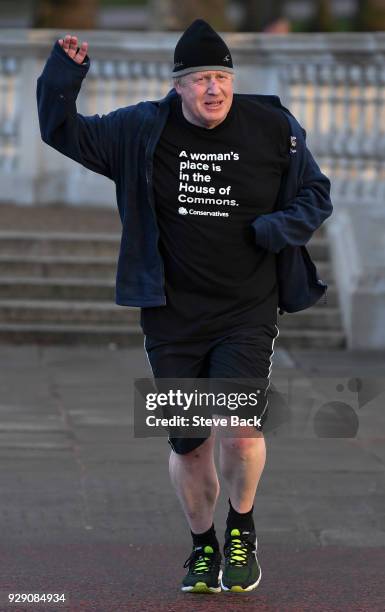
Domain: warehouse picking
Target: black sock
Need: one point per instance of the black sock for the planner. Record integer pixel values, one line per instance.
(240, 520)
(208, 538)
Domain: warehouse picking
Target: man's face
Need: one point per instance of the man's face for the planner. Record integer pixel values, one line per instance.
(206, 96)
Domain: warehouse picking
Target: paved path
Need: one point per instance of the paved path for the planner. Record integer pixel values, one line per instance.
(87, 509)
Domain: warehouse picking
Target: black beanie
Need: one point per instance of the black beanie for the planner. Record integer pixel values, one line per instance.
(201, 48)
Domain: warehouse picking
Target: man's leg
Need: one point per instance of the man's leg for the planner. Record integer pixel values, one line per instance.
(241, 462)
(195, 480)
(192, 468)
(244, 354)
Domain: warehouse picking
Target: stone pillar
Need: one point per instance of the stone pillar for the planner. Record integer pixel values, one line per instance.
(357, 242)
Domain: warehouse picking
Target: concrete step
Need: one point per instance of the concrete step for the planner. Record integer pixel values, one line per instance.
(37, 242)
(126, 335)
(77, 266)
(59, 243)
(59, 217)
(46, 333)
(95, 244)
(79, 289)
(58, 311)
(68, 289)
(312, 339)
(59, 287)
(52, 266)
(62, 311)
(323, 317)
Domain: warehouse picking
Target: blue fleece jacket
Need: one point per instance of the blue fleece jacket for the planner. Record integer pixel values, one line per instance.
(120, 145)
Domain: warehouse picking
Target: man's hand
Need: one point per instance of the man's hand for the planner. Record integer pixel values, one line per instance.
(70, 46)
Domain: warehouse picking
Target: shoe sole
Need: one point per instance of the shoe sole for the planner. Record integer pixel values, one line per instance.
(239, 589)
(201, 587)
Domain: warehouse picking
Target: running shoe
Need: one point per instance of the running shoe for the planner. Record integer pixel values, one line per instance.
(204, 571)
(242, 571)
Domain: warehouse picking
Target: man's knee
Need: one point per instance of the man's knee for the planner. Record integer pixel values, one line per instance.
(242, 446)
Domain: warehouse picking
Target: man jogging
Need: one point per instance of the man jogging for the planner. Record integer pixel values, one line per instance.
(217, 194)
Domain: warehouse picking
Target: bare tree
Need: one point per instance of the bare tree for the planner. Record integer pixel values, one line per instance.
(66, 14)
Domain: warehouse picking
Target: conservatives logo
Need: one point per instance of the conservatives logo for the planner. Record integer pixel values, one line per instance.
(206, 213)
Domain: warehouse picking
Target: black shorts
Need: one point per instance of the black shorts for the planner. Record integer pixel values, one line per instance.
(245, 353)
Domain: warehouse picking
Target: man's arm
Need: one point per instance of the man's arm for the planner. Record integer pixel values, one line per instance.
(92, 141)
(296, 223)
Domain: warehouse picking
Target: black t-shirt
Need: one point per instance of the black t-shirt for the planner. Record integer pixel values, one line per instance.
(209, 185)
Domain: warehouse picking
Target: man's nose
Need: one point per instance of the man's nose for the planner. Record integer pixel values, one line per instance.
(213, 86)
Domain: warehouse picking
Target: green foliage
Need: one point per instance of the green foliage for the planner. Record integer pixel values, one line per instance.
(344, 25)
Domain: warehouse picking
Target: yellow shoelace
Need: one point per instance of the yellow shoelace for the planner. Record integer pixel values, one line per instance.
(238, 550)
(201, 564)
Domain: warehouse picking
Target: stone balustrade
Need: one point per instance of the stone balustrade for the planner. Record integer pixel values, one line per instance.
(333, 83)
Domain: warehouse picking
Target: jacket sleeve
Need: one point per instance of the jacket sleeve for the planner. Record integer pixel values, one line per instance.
(92, 141)
(295, 224)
